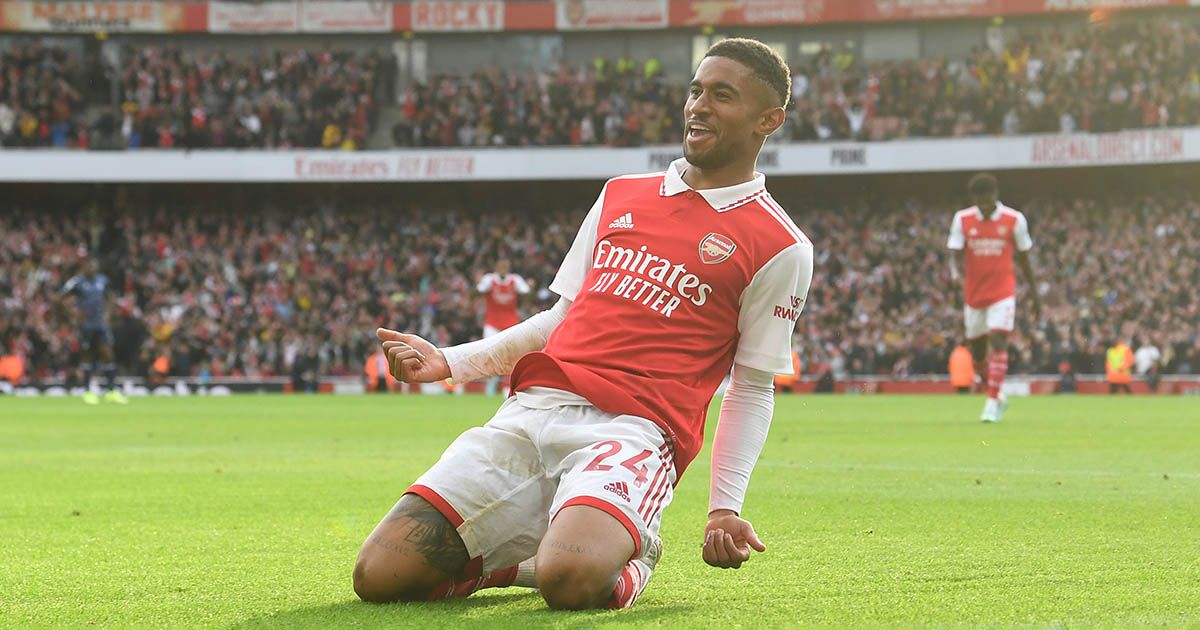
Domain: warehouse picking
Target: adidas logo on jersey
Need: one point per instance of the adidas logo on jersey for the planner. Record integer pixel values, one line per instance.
(619, 488)
(624, 221)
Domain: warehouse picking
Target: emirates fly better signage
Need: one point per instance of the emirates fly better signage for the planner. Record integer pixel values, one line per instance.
(1154, 146)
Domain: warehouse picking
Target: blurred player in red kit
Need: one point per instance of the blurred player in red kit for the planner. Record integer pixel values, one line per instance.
(674, 279)
(501, 289)
(986, 238)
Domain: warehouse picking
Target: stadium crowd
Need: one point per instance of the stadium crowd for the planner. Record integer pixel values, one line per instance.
(230, 292)
(167, 97)
(1049, 79)
(1113, 269)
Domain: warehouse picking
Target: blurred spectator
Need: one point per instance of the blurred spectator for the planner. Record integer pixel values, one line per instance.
(1146, 360)
(1118, 363)
(1066, 379)
(961, 368)
(376, 375)
(12, 368)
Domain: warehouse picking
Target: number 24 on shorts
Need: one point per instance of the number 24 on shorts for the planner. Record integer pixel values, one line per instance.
(633, 464)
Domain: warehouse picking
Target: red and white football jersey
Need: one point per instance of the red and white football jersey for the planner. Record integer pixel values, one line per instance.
(670, 286)
(988, 245)
(500, 310)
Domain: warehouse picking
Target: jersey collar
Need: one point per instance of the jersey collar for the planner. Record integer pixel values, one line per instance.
(720, 199)
(996, 213)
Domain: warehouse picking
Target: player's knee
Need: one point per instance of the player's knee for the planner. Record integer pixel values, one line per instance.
(378, 579)
(574, 584)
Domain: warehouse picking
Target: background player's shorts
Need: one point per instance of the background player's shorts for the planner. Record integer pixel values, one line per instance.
(93, 337)
(490, 331)
(502, 484)
(1000, 315)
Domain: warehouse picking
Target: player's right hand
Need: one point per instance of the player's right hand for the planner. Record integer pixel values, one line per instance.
(411, 359)
(728, 540)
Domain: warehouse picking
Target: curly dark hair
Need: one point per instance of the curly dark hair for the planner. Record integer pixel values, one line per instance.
(983, 184)
(766, 64)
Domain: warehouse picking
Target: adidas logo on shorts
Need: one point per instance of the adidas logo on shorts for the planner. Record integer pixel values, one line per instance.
(619, 488)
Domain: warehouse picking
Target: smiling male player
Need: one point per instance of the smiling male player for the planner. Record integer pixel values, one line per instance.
(673, 279)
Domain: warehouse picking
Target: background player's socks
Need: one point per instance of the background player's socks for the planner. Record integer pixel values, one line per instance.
(89, 369)
(997, 369)
(109, 371)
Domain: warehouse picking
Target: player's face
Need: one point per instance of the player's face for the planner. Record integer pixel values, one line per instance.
(728, 114)
(91, 268)
(985, 202)
(503, 267)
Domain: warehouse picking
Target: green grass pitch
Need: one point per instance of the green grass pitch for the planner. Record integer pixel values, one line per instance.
(248, 511)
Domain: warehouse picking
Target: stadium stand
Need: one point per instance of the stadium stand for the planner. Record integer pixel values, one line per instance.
(1049, 79)
(220, 290)
(170, 98)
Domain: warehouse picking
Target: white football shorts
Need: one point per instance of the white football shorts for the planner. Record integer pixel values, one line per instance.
(503, 483)
(1000, 316)
(490, 331)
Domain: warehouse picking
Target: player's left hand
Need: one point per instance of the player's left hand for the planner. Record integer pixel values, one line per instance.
(728, 540)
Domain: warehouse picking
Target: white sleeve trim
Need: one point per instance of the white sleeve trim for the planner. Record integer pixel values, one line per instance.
(485, 282)
(520, 284)
(496, 355)
(957, 239)
(741, 432)
(568, 282)
(770, 306)
(1021, 236)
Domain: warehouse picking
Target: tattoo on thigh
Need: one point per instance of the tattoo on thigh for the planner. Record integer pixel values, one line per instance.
(430, 534)
(570, 547)
(390, 545)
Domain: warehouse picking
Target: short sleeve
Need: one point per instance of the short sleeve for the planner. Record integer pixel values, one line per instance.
(568, 282)
(1021, 236)
(485, 283)
(957, 239)
(770, 307)
(520, 284)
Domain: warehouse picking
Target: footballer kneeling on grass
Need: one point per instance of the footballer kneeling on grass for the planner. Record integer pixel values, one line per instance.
(674, 279)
